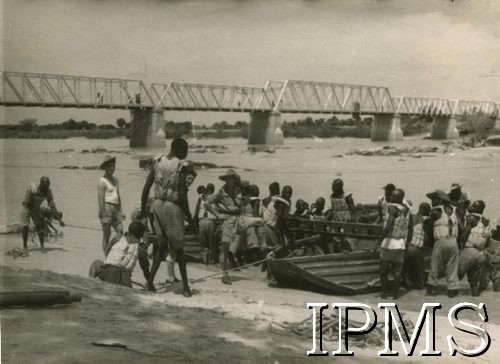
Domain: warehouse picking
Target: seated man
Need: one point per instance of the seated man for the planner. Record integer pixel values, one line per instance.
(121, 257)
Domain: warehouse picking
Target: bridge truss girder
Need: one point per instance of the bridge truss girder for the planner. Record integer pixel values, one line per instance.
(291, 96)
(205, 97)
(288, 96)
(46, 90)
(436, 106)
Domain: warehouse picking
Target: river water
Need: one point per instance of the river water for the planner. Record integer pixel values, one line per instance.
(308, 165)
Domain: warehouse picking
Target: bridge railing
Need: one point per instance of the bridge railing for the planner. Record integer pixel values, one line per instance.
(204, 97)
(291, 96)
(423, 105)
(36, 89)
(473, 107)
(436, 106)
(288, 96)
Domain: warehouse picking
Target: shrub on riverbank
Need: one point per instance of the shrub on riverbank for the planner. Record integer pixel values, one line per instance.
(480, 125)
(326, 128)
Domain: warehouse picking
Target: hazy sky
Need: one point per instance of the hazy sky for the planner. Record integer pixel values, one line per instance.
(429, 48)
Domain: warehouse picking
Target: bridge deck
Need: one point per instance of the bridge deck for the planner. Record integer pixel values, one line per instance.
(288, 96)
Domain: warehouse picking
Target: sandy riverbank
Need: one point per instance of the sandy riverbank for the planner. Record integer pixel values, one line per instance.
(249, 303)
(218, 320)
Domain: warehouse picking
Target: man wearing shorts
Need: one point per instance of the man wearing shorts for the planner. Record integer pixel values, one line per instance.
(109, 202)
(169, 208)
(34, 197)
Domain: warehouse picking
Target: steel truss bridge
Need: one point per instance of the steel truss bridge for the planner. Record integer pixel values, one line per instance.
(307, 97)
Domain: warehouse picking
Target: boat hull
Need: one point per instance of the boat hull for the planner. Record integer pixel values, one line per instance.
(341, 274)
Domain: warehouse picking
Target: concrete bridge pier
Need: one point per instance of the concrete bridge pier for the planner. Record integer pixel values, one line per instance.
(264, 128)
(444, 127)
(146, 128)
(386, 128)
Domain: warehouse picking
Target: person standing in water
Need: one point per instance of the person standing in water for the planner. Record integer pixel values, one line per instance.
(35, 195)
(109, 202)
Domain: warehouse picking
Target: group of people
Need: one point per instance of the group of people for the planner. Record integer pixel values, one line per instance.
(249, 228)
(452, 227)
(159, 221)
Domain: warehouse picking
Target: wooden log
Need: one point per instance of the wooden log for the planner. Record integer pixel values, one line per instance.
(37, 298)
(307, 241)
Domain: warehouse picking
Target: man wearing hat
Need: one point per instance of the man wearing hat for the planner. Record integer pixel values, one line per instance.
(445, 226)
(109, 202)
(460, 199)
(383, 202)
(225, 205)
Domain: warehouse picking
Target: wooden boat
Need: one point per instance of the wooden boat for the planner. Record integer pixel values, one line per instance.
(342, 273)
(339, 273)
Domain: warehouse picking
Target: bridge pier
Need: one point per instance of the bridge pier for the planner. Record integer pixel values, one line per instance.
(146, 128)
(386, 128)
(264, 128)
(444, 127)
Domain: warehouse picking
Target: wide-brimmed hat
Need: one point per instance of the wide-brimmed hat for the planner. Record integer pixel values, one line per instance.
(230, 173)
(455, 185)
(438, 194)
(107, 159)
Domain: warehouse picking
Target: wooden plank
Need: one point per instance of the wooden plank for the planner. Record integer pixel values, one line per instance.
(37, 298)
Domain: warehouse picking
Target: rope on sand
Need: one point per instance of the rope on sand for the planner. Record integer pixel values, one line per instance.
(17, 253)
(228, 270)
(84, 227)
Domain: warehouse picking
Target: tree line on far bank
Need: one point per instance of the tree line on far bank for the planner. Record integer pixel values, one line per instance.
(29, 129)
(478, 124)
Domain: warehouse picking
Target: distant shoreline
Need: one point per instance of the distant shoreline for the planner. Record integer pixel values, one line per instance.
(361, 131)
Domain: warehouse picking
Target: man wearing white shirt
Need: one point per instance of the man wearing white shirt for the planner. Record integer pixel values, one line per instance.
(121, 257)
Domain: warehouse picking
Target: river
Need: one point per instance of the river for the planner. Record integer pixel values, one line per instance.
(308, 165)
